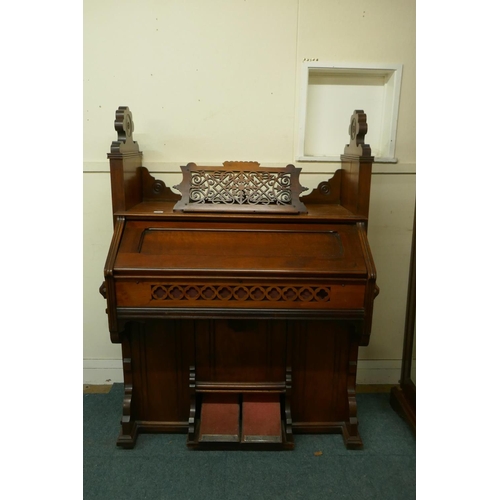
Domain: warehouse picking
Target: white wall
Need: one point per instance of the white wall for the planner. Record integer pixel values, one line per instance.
(215, 81)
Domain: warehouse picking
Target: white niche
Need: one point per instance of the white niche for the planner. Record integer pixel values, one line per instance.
(329, 95)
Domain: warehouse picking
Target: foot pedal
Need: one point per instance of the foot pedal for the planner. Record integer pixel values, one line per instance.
(261, 418)
(220, 418)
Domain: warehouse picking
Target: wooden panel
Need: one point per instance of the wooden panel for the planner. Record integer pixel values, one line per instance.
(240, 351)
(325, 245)
(256, 249)
(321, 207)
(319, 372)
(242, 294)
(356, 182)
(161, 353)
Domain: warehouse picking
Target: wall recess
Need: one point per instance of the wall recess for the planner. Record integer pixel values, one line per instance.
(329, 92)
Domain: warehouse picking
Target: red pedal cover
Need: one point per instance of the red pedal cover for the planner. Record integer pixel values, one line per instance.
(220, 418)
(261, 418)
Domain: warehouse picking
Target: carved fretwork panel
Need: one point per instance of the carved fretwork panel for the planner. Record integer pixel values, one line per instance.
(238, 293)
(240, 187)
(245, 295)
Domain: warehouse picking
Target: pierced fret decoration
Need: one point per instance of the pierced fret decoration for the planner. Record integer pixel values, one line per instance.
(240, 187)
(240, 293)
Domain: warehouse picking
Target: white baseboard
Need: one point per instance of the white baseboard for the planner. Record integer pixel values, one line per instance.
(102, 371)
(370, 371)
(379, 371)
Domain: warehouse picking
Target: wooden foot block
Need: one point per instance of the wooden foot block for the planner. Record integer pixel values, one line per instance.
(261, 418)
(220, 418)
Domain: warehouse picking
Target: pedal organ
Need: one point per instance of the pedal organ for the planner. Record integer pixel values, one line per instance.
(239, 304)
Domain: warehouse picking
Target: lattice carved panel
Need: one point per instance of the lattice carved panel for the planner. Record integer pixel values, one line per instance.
(239, 293)
(240, 187)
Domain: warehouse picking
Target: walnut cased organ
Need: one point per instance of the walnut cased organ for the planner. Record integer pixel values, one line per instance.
(239, 304)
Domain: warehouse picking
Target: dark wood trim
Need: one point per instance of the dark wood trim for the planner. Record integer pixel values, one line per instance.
(403, 397)
(109, 283)
(130, 313)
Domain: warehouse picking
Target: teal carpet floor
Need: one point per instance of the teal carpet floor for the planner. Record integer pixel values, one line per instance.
(162, 467)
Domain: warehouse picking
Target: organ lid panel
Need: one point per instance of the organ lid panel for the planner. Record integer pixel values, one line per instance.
(171, 247)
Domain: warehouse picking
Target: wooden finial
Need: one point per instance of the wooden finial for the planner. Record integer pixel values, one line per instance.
(358, 128)
(124, 125)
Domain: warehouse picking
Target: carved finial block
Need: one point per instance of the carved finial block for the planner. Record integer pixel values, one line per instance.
(124, 125)
(358, 128)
